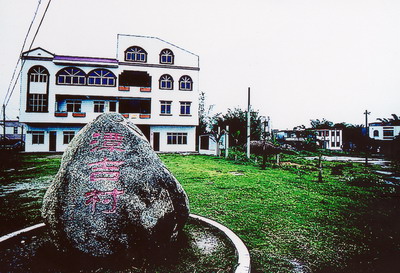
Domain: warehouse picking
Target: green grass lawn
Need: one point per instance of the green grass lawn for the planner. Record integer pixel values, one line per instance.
(285, 217)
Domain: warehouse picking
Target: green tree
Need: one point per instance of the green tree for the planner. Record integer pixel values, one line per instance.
(310, 139)
(202, 128)
(321, 124)
(236, 119)
(215, 129)
(395, 120)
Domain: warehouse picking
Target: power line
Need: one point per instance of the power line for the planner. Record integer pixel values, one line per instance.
(40, 24)
(22, 50)
(33, 40)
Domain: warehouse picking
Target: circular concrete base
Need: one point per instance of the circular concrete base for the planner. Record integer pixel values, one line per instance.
(204, 246)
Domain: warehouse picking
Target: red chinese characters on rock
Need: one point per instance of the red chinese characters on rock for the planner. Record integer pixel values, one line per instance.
(107, 198)
(107, 141)
(105, 170)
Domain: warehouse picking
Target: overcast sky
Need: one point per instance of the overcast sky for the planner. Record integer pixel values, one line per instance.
(302, 59)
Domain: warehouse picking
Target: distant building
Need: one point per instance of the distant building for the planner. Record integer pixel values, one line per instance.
(331, 139)
(15, 134)
(208, 145)
(382, 131)
(14, 129)
(289, 135)
(151, 82)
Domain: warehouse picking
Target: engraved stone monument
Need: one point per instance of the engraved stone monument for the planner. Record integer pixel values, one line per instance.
(112, 192)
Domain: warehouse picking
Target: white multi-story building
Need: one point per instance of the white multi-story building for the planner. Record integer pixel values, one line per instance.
(331, 139)
(151, 82)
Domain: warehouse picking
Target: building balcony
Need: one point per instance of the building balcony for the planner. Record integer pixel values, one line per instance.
(145, 116)
(136, 116)
(145, 89)
(124, 88)
(79, 114)
(61, 114)
(128, 88)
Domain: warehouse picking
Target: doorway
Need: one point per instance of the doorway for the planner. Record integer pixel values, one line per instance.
(156, 141)
(53, 141)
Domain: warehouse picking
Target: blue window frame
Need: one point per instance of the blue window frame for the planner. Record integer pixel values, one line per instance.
(185, 83)
(166, 56)
(166, 82)
(136, 54)
(166, 107)
(185, 107)
(102, 77)
(71, 76)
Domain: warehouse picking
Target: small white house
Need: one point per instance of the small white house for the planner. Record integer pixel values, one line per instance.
(208, 145)
(380, 131)
(151, 82)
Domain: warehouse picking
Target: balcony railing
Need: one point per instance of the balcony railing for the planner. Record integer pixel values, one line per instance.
(145, 116)
(135, 116)
(123, 88)
(79, 114)
(61, 114)
(128, 88)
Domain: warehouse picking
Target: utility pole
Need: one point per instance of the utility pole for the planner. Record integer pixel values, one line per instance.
(226, 141)
(248, 122)
(4, 126)
(264, 123)
(366, 113)
(218, 138)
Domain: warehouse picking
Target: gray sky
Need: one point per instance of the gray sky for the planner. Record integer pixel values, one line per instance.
(302, 59)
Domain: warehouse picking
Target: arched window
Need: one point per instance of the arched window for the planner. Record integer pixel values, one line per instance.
(136, 54)
(101, 77)
(166, 82)
(166, 56)
(71, 76)
(38, 89)
(376, 133)
(185, 83)
(38, 74)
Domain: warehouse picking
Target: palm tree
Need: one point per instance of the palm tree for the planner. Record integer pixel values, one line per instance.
(395, 120)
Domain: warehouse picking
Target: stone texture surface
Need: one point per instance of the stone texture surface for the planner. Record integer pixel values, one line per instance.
(112, 192)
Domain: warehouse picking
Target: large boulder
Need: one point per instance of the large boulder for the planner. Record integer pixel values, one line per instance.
(112, 192)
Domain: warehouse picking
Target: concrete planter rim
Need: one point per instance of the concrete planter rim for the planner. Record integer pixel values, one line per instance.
(241, 249)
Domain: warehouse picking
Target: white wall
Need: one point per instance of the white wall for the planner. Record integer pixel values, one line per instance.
(164, 147)
(153, 46)
(60, 146)
(381, 129)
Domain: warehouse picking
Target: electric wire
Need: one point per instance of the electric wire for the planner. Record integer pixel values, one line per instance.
(33, 40)
(22, 50)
